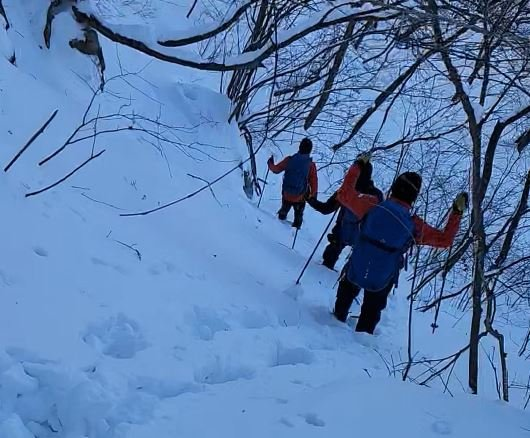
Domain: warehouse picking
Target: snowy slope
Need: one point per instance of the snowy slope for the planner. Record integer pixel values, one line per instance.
(184, 322)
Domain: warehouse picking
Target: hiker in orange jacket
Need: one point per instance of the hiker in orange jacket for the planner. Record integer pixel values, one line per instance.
(386, 231)
(299, 181)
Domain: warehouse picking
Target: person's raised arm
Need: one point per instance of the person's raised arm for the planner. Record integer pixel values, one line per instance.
(426, 234)
(277, 168)
(358, 203)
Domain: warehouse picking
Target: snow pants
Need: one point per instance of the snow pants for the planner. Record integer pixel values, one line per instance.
(373, 304)
(332, 252)
(298, 208)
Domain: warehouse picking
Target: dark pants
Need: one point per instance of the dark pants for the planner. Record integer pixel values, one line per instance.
(373, 305)
(298, 208)
(332, 252)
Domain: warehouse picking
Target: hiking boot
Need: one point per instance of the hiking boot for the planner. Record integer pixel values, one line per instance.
(328, 265)
(340, 318)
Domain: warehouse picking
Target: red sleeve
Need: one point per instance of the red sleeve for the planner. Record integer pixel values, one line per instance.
(313, 180)
(428, 235)
(280, 167)
(355, 201)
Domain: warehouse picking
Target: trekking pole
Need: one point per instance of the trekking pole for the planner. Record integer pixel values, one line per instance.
(295, 236)
(434, 324)
(316, 247)
(343, 271)
(264, 185)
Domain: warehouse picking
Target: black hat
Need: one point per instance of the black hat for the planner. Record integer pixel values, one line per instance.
(306, 146)
(365, 178)
(406, 187)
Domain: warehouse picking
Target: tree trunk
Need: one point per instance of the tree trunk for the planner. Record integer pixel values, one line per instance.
(478, 282)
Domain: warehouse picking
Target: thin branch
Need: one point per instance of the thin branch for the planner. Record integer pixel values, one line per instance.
(64, 178)
(226, 24)
(31, 140)
(191, 9)
(208, 184)
(131, 247)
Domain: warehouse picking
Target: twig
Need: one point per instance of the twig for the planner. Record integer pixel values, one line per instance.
(95, 131)
(131, 247)
(385, 362)
(37, 192)
(192, 194)
(101, 202)
(31, 140)
(191, 9)
(490, 360)
(207, 185)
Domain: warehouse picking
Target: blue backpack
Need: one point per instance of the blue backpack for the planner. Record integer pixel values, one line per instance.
(385, 234)
(295, 179)
(349, 222)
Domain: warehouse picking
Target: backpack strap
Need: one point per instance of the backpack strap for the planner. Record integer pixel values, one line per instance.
(380, 245)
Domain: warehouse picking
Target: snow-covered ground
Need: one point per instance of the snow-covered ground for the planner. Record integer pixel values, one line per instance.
(185, 322)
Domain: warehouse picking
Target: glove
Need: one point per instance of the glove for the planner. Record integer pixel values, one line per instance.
(460, 203)
(363, 158)
(270, 160)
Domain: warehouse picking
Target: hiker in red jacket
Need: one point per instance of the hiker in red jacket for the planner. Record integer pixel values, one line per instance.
(299, 181)
(386, 232)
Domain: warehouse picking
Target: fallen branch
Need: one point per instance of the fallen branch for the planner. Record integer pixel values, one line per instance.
(191, 9)
(188, 196)
(99, 202)
(207, 185)
(131, 247)
(31, 140)
(37, 192)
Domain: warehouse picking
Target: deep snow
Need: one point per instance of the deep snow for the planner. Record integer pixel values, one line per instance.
(201, 331)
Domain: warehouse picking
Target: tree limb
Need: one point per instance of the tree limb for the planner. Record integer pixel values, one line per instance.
(64, 178)
(31, 140)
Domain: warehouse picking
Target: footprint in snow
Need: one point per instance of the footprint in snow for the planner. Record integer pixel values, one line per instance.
(40, 251)
(441, 427)
(163, 388)
(292, 356)
(99, 262)
(162, 268)
(295, 292)
(313, 420)
(286, 422)
(119, 337)
(5, 278)
(207, 323)
(254, 319)
(190, 92)
(219, 372)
